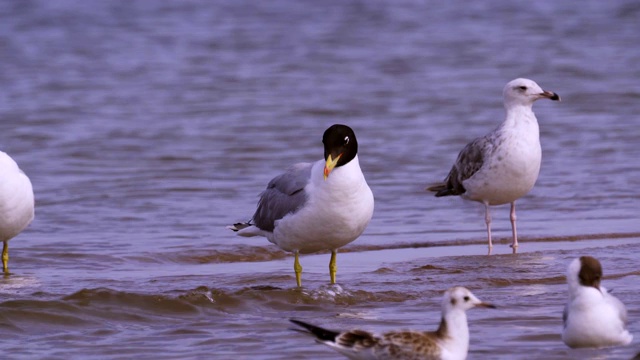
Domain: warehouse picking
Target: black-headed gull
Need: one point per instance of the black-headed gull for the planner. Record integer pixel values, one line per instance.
(316, 206)
(592, 317)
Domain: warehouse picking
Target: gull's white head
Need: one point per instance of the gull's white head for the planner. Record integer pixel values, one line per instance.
(584, 271)
(524, 92)
(460, 298)
(7, 163)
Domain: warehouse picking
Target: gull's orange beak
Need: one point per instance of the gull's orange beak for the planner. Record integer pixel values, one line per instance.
(330, 164)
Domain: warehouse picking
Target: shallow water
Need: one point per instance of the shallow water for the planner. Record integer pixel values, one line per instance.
(147, 127)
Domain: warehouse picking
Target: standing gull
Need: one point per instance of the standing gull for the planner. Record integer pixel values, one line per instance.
(503, 165)
(450, 341)
(316, 206)
(16, 204)
(592, 317)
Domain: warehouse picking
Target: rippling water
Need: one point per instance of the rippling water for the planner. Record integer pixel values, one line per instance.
(147, 126)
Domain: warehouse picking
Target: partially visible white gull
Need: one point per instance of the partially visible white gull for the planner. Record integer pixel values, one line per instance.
(16, 204)
(592, 317)
(502, 166)
(449, 342)
(316, 206)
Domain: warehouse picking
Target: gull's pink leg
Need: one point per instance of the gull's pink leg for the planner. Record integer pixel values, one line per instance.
(487, 220)
(514, 244)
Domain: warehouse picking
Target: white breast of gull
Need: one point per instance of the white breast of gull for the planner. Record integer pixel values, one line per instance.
(16, 204)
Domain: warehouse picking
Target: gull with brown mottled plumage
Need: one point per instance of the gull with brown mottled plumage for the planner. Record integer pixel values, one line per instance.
(449, 342)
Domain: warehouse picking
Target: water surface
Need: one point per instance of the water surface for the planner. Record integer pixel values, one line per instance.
(146, 127)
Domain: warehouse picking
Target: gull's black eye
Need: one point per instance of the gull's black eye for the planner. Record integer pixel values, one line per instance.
(522, 87)
(346, 140)
(466, 298)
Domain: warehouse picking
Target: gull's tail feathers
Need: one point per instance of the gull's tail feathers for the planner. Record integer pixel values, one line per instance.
(440, 189)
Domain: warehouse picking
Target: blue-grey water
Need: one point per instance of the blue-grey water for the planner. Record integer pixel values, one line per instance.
(146, 127)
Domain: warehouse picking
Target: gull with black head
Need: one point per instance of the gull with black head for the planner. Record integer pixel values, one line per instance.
(449, 342)
(592, 317)
(502, 166)
(316, 206)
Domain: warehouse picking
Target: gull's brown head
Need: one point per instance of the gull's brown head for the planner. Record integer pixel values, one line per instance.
(590, 272)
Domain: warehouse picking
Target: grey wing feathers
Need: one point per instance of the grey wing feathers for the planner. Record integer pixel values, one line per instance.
(565, 315)
(470, 160)
(472, 157)
(284, 194)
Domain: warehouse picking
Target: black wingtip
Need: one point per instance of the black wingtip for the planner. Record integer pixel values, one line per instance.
(437, 187)
(320, 333)
(238, 226)
(440, 190)
(445, 192)
(443, 189)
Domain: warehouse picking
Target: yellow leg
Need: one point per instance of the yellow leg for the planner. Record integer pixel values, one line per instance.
(298, 269)
(333, 268)
(5, 257)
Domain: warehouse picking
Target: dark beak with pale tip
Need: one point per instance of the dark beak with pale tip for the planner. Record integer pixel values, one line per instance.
(550, 95)
(486, 305)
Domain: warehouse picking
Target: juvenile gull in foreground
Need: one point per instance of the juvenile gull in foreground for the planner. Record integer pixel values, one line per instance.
(316, 206)
(592, 317)
(503, 165)
(450, 341)
(16, 204)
